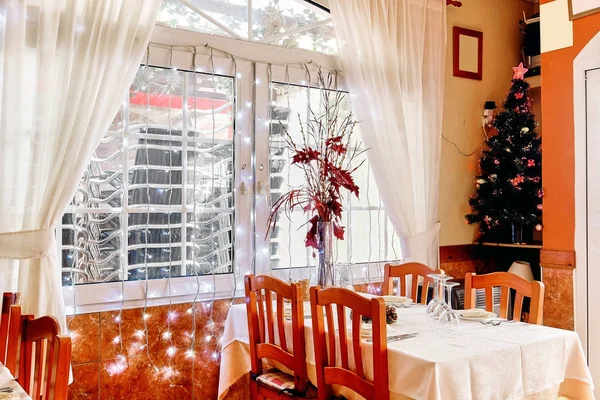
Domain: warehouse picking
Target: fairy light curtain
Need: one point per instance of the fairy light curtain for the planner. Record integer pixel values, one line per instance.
(157, 203)
(399, 87)
(66, 67)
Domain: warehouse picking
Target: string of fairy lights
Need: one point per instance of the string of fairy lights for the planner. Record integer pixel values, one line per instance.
(203, 205)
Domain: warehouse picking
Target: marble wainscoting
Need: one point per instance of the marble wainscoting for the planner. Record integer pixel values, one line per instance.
(558, 269)
(157, 368)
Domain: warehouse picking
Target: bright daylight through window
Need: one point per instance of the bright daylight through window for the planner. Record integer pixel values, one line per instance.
(165, 197)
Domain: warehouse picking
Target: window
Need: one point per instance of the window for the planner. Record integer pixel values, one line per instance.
(293, 24)
(176, 199)
(365, 219)
(157, 199)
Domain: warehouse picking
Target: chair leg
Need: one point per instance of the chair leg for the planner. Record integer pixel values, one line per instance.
(254, 390)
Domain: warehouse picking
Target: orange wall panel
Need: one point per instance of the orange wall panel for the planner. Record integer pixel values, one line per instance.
(558, 147)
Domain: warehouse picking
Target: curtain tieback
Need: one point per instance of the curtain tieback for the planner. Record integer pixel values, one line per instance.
(35, 243)
(413, 245)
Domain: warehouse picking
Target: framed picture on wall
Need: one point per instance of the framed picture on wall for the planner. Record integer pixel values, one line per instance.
(467, 53)
(581, 8)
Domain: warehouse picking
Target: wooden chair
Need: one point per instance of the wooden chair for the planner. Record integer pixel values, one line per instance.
(41, 354)
(415, 270)
(275, 384)
(331, 371)
(8, 299)
(506, 280)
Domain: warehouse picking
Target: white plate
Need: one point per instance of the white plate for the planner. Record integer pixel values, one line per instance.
(483, 317)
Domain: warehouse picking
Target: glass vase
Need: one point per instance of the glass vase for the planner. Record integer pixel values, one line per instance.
(325, 276)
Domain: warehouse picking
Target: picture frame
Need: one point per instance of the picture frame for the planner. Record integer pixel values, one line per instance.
(467, 53)
(582, 8)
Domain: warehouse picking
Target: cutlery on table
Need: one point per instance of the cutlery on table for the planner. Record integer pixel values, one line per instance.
(396, 338)
(496, 322)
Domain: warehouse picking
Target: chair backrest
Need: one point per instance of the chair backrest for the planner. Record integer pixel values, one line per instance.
(415, 270)
(43, 358)
(8, 299)
(507, 280)
(261, 326)
(330, 370)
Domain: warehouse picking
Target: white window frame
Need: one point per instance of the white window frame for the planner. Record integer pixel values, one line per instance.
(251, 182)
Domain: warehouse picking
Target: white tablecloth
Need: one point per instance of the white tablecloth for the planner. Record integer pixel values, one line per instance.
(7, 380)
(510, 361)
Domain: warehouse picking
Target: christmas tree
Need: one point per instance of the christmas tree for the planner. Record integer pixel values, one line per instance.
(509, 184)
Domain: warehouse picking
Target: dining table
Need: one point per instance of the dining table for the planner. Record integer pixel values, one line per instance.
(510, 360)
(9, 388)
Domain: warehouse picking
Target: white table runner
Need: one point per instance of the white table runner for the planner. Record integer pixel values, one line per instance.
(510, 361)
(7, 380)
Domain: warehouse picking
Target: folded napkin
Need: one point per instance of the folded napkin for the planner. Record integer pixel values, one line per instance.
(474, 313)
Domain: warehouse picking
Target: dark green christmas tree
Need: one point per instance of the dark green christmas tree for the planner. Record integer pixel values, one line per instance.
(509, 184)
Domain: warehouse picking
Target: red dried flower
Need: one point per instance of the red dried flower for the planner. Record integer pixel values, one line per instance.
(305, 156)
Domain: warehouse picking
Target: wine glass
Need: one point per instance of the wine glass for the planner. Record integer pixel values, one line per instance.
(435, 301)
(449, 320)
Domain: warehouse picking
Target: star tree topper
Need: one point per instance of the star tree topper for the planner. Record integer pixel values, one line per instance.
(519, 71)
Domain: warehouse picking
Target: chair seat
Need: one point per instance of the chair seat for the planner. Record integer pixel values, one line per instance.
(277, 380)
(284, 384)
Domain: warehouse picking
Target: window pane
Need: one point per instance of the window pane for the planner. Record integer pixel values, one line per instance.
(369, 233)
(180, 124)
(176, 15)
(91, 247)
(270, 18)
(320, 38)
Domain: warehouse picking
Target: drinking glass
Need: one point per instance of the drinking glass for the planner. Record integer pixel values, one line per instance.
(449, 320)
(435, 301)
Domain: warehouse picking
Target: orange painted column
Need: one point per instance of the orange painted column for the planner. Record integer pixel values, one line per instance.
(558, 142)
(558, 173)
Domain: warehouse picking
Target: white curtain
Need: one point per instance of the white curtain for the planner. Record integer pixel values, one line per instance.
(65, 67)
(393, 53)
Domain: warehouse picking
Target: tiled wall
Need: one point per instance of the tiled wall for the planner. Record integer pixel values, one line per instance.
(97, 374)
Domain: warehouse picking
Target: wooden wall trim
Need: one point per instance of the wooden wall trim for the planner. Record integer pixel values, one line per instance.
(557, 259)
(460, 252)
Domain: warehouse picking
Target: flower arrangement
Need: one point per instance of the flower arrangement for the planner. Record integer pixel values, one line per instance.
(326, 156)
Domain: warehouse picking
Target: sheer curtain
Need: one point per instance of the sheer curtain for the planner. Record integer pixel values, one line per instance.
(65, 66)
(393, 52)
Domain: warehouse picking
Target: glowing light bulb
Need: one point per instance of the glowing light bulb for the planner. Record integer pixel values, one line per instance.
(215, 355)
(116, 339)
(189, 310)
(139, 334)
(166, 335)
(172, 315)
(171, 351)
(146, 316)
(207, 338)
(190, 353)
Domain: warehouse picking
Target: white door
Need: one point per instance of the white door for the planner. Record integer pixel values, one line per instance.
(593, 221)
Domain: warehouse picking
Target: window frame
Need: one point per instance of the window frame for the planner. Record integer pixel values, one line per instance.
(252, 60)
